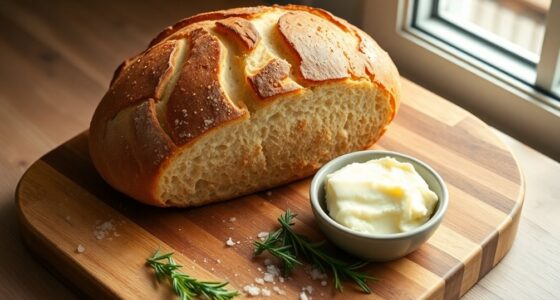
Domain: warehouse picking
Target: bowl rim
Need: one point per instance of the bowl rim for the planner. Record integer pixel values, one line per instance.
(436, 218)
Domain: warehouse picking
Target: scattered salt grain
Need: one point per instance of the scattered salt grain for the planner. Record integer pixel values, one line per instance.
(303, 296)
(259, 280)
(324, 283)
(219, 261)
(266, 292)
(272, 269)
(263, 235)
(80, 249)
(232, 219)
(317, 274)
(104, 229)
(252, 290)
(230, 242)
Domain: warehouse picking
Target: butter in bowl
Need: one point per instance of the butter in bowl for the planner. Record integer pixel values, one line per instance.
(378, 205)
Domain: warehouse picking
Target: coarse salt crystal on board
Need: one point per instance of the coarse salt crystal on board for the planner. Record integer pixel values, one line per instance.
(263, 235)
(252, 290)
(230, 242)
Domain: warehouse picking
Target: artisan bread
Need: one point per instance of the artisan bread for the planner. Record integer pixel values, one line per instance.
(227, 103)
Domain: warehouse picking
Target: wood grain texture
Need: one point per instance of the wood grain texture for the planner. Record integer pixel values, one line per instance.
(62, 199)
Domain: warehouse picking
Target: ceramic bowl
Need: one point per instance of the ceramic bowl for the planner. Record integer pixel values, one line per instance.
(376, 247)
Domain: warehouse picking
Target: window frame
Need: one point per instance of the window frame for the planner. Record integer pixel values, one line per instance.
(548, 68)
(519, 109)
(427, 19)
(484, 36)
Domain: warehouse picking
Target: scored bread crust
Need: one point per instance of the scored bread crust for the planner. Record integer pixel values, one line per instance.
(225, 71)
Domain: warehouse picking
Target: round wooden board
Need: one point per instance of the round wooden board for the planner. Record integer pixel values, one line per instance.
(62, 203)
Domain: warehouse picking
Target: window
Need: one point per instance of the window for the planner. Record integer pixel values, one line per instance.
(496, 58)
(505, 34)
(514, 25)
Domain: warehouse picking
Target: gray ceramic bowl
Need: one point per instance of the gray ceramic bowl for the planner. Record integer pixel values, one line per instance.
(376, 247)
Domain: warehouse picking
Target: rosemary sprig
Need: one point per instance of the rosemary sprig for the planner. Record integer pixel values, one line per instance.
(184, 285)
(287, 245)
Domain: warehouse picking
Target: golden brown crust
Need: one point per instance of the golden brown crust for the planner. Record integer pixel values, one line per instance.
(119, 70)
(309, 35)
(242, 30)
(304, 29)
(143, 78)
(198, 102)
(152, 147)
(341, 23)
(381, 68)
(130, 147)
(133, 152)
(365, 59)
(272, 80)
(242, 12)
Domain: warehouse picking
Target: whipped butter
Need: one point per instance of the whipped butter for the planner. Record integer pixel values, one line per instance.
(379, 196)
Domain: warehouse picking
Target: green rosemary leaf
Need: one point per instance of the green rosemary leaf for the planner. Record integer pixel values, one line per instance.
(185, 286)
(287, 245)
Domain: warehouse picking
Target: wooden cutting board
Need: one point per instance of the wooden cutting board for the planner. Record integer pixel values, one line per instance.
(63, 203)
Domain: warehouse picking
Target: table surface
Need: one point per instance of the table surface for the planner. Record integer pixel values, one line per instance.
(56, 60)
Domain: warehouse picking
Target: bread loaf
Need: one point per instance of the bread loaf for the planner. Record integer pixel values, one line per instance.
(231, 102)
